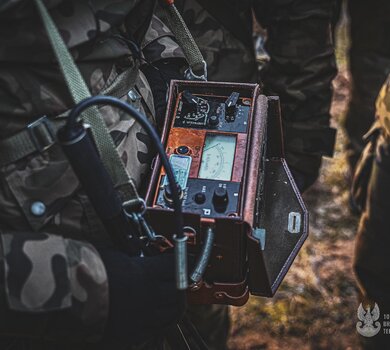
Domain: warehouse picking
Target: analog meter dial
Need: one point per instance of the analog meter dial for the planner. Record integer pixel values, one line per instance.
(218, 157)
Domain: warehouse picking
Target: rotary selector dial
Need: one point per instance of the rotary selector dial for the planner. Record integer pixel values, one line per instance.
(220, 199)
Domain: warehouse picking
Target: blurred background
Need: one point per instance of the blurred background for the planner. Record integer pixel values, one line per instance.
(316, 306)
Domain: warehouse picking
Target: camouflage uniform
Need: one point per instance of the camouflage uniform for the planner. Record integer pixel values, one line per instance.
(46, 218)
(228, 58)
(369, 66)
(371, 263)
(300, 71)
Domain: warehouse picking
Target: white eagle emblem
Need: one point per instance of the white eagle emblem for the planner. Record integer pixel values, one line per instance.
(368, 327)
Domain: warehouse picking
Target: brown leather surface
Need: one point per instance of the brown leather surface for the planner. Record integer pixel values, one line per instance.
(236, 294)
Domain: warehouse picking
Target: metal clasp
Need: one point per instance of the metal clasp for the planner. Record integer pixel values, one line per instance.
(132, 207)
(190, 75)
(146, 231)
(41, 134)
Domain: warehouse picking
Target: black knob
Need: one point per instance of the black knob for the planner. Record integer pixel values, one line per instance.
(231, 107)
(213, 120)
(188, 108)
(200, 198)
(231, 102)
(189, 98)
(190, 103)
(220, 199)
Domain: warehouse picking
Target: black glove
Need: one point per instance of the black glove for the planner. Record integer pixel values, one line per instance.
(144, 300)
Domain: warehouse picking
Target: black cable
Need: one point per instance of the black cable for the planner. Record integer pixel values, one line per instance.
(134, 48)
(97, 22)
(106, 100)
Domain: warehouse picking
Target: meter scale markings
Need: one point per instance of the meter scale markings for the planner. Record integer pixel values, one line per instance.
(218, 157)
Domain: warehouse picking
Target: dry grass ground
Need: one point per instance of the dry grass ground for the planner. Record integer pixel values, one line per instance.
(316, 305)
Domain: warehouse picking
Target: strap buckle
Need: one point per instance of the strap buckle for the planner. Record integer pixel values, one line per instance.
(190, 75)
(146, 231)
(41, 134)
(137, 206)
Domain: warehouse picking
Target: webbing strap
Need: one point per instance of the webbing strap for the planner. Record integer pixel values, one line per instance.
(36, 137)
(79, 91)
(186, 41)
(40, 135)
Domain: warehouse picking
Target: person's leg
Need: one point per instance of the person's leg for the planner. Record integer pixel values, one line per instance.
(300, 71)
(369, 67)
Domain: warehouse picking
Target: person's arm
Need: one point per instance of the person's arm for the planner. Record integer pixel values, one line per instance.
(163, 60)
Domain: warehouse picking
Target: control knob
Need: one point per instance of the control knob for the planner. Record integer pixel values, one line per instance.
(213, 120)
(220, 199)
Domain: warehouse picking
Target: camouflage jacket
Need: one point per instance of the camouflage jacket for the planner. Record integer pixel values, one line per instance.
(46, 218)
(228, 59)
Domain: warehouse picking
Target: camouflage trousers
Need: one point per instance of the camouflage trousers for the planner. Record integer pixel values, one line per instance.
(300, 71)
(369, 66)
(371, 262)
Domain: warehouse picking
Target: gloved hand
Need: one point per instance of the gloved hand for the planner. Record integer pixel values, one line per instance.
(144, 300)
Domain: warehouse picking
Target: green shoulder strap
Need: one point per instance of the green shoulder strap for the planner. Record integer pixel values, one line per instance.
(198, 67)
(79, 91)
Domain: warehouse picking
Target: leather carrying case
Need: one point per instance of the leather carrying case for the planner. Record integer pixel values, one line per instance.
(255, 247)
